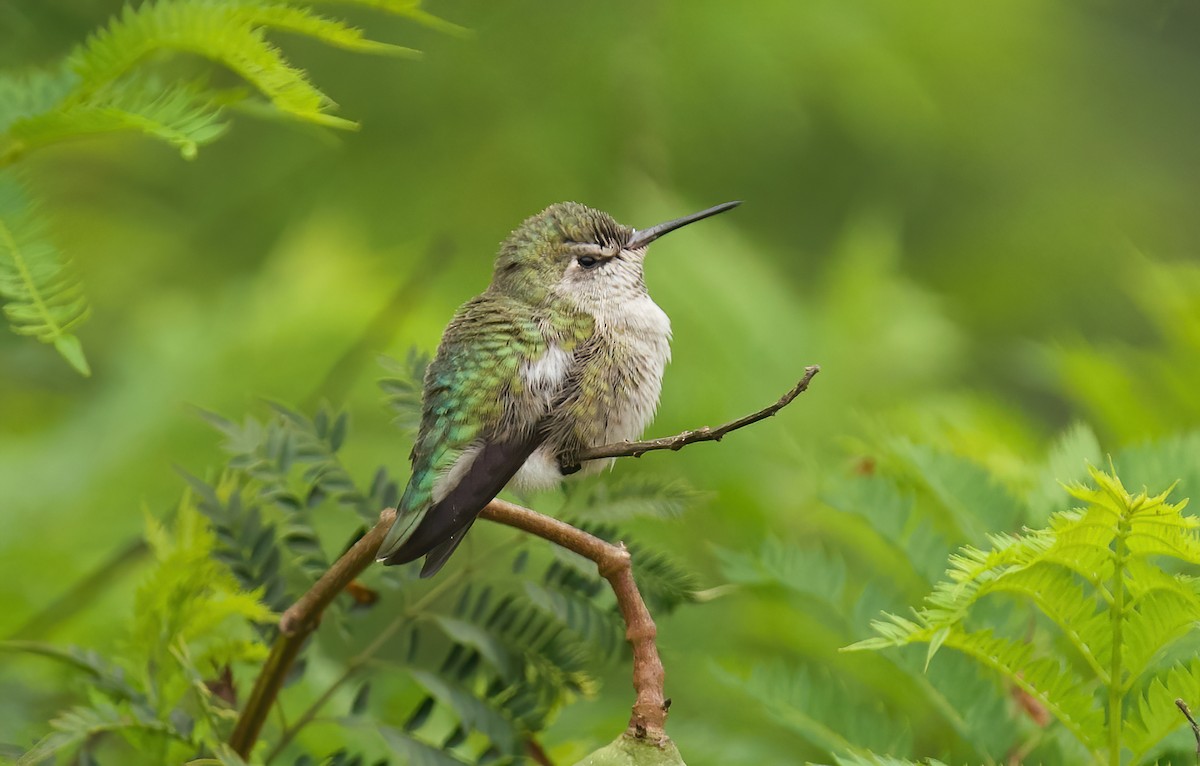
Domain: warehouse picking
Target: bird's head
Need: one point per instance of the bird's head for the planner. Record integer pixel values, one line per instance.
(580, 254)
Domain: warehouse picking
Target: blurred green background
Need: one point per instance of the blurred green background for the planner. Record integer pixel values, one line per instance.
(968, 214)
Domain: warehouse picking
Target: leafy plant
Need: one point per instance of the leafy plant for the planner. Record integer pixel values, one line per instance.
(1096, 575)
(1155, 401)
(167, 695)
(118, 81)
(1022, 688)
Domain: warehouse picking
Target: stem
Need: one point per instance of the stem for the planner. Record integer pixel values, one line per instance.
(612, 561)
(537, 753)
(1116, 685)
(300, 620)
(356, 662)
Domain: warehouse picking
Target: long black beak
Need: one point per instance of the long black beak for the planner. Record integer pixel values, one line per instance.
(643, 237)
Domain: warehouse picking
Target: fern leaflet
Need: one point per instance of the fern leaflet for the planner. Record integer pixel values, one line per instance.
(184, 117)
(42, 297)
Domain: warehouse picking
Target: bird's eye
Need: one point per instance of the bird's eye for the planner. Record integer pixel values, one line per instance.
(587, 261)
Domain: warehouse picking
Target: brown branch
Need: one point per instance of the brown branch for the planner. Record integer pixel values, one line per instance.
(300, 620)
(536, 753)
(613, 562)
(705, 434)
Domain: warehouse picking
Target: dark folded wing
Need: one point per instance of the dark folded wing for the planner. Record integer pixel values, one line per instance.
(444, 525)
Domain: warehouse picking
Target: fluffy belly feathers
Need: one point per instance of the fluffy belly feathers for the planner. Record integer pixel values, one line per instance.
(625, 382)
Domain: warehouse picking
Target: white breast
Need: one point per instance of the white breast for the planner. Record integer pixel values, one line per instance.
(643, 331)
(641, 335)
(543, 377)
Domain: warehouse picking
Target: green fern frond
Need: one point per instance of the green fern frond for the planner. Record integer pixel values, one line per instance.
(809, 571)
(42, 298)
(246, 543)
(75, 727)
(216, 32)
(473, 713)
(402, 385)
(231, 34)
(620, 498)
(191, 623)
(417, 752)
(871, 759)
(1095, 573)
(408, 8)
(184, 599)
(819, 707)
(664, 584)
(32, 92)
(292, 459)
(1046, 680)
(279, 15)
(1153, 714)
(970, 704)
(598, 627)
(897, 519)
(523, 645)
(182, 116)
(101, 673)
(102, 88)
(1061, 692)
(960, 492)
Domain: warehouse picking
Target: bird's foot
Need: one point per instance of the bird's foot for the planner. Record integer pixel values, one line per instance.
(567, 467)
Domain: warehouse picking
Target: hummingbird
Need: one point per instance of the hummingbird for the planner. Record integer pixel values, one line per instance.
(565, 350)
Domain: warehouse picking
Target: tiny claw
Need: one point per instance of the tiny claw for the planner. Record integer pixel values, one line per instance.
(567, 470)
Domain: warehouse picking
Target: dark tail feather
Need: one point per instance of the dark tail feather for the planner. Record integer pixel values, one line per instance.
(437, 558)
(446, 523)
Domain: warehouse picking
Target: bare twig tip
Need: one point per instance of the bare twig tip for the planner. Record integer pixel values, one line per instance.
(704, 434)
(1187, 713)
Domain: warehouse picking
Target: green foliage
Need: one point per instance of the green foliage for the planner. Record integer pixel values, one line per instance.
(42, 296)
(402, 388)
(820, 708)
(1034, 662)
(1096, 575)
(477, 662)
(852, 713)
(628, 751)
(618, 498)
(946, 242)
(871, 759)
(164, 697)
(1159, 397)
(117, 81)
